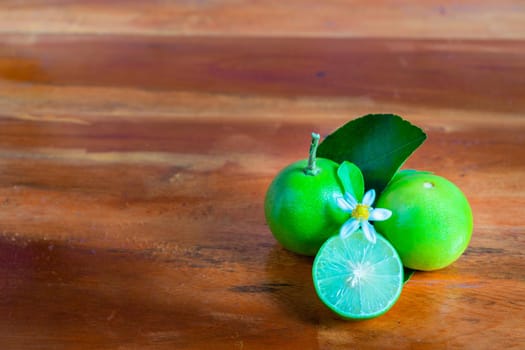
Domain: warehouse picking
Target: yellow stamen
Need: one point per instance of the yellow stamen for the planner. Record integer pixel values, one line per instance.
(361, 212)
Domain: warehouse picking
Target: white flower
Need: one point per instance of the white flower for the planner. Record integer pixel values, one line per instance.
(361, 214)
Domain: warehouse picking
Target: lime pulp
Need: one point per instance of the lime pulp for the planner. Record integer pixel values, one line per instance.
(358, 279)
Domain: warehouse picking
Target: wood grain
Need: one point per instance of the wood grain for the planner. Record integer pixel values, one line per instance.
(488, 75)
(469, 19)
(137, 140)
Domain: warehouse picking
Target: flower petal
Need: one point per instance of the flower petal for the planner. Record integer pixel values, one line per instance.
(344, 205)
(369, 231)
(348, 228)
(351, 200)
(369, 198)
(379, 214)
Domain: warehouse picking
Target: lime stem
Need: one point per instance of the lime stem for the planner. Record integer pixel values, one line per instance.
(312, 169)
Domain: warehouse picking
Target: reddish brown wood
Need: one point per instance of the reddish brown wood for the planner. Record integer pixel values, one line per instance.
(487, 75)
(134, 163)
(502, 19)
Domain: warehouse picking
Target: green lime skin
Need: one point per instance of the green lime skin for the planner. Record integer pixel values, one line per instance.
(301, 209)
(358, 279)
(401, 174)
(431, 223)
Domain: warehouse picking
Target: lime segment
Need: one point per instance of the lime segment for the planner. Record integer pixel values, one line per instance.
(358, 279)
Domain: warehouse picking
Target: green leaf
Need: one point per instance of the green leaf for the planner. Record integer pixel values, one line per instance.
(407, 274)
(378, 144)
(351, 179)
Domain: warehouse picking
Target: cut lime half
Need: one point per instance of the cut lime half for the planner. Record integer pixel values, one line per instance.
(358, 279)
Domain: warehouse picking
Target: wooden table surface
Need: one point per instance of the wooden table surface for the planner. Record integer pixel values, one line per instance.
(138, 138)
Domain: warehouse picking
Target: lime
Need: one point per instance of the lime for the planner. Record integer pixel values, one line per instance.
(358, 279)
(300, 205)
(431, 222)
(401, 174)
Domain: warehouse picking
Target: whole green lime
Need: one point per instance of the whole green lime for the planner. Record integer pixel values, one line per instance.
(300, 204)
(431, 223)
